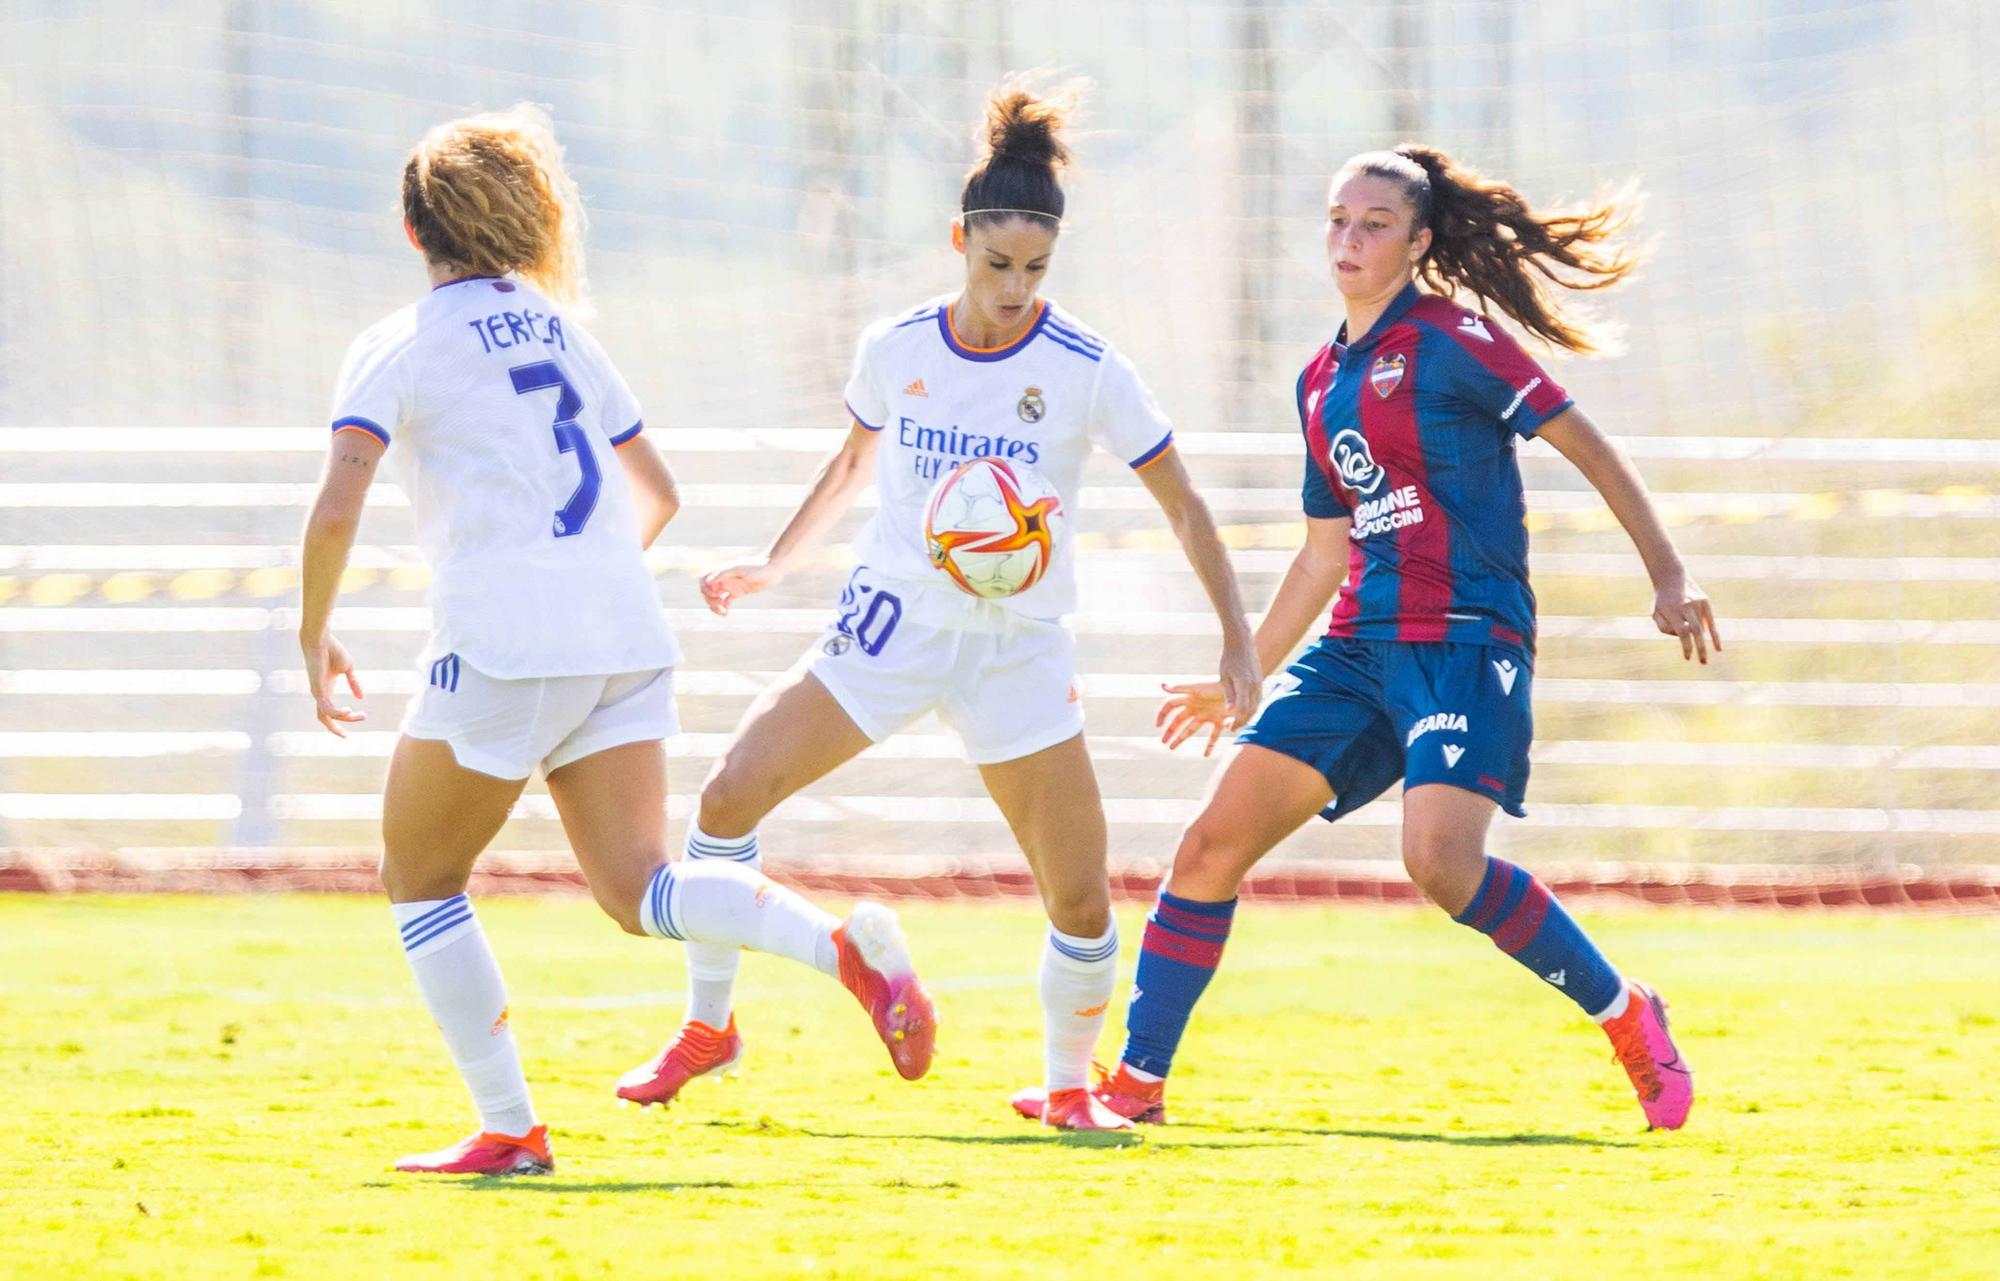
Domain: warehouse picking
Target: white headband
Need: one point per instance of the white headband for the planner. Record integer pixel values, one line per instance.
(1025, 213)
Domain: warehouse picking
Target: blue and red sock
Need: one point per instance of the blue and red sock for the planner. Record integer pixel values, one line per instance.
(1524, 920)
(1182, 947)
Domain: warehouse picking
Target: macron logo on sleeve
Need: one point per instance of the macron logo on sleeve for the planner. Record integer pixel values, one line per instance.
(1476, 327)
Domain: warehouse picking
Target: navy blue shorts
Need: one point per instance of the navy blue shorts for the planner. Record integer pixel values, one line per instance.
(1366, 713)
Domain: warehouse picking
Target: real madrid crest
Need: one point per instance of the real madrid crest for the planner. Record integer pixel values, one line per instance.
(1387, 374)
(837, 645)
(1031, 407)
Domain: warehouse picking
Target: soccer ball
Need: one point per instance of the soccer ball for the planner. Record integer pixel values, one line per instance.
(991, 526)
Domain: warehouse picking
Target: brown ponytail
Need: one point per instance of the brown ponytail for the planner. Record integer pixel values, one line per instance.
(1486, 240)
(1022, 153)
(488, 193)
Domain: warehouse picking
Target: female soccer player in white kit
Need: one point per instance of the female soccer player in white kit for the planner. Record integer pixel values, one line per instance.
(549, 646)
(992, 370)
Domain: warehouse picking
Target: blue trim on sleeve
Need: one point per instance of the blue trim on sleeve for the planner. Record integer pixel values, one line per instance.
(1085, 352)
(629, 433)
(1057, 327)
(863, 421)
(1526, 425)
(1166, 443)
(355, 420)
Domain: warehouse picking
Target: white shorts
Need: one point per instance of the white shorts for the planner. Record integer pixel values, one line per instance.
(1007, 685)
(506, 728)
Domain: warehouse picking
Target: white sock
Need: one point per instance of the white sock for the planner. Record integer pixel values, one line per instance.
(462, 987)
(714, 901)
(1616, 1008)
(1078, 976)
(712, 966)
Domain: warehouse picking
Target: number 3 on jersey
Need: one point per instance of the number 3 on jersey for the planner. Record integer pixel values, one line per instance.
(570, 439)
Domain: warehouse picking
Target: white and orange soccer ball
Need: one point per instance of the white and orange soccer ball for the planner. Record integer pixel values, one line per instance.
(992, 526)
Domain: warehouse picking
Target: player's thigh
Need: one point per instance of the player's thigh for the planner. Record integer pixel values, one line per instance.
(1051, 802)
(796, 733)
(1257, 799)
(437, 816)
(613, 806)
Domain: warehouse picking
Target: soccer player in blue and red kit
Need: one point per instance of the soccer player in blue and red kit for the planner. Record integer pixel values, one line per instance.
(1411, 416)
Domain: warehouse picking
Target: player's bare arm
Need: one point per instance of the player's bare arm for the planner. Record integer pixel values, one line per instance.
(1680, 607)
(1314, 575)
(351, 461)
(656, 497)
(838, 482)
(1166, 478)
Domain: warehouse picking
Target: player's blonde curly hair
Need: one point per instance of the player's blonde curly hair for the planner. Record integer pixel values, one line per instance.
(488, 194)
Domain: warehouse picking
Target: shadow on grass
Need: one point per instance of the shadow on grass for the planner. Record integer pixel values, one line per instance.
(1521, 1140)
(594, 1185)
(1060, 1138)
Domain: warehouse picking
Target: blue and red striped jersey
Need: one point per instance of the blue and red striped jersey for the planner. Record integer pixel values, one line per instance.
(1410, 432)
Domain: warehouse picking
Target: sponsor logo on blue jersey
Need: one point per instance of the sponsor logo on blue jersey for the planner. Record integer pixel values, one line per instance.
(1354, 462)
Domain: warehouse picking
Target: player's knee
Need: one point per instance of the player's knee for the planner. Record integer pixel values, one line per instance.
(733, 800)
(406, 880)
(1084, 911)
(1439, 866)
(1207, 863)
(620, 895)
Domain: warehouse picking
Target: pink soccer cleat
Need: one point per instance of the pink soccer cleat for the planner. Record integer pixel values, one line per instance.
(1079, 1110)
(490, 1154)
(696, 1050)
(1125, 1095)
(1660, 1076)
(875, 966)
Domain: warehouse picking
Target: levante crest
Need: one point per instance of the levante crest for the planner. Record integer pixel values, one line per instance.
(1387, 374)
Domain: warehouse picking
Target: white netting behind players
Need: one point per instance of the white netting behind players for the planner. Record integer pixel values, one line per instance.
(198, 215)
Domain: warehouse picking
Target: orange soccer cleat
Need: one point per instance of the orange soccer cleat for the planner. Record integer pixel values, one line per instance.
(488, 1153)
(875, 966)
(696, 1050)
(1079, 1109)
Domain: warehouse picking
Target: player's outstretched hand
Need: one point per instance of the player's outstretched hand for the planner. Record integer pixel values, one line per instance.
(721, 587)
(326, 662)
(1682, 609)
(1242, 681)
(1191, 708)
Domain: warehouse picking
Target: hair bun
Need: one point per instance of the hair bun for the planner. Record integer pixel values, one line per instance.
(1026, 126)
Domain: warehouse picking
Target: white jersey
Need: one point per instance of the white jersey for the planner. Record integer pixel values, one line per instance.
(502, 414)
(1044, 400)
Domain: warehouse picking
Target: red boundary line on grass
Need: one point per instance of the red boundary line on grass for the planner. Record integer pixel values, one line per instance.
(1678, 885)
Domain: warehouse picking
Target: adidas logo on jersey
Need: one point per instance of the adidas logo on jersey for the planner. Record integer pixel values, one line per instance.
(1504, 668)
(917, 389)
(1476, 327)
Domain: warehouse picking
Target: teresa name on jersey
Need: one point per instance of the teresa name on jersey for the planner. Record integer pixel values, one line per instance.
(504, 329)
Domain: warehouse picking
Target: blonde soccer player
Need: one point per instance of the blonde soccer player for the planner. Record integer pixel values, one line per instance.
(991, 369)
(535, 493)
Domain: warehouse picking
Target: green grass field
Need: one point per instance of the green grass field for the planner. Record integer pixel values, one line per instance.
(210, 1087)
